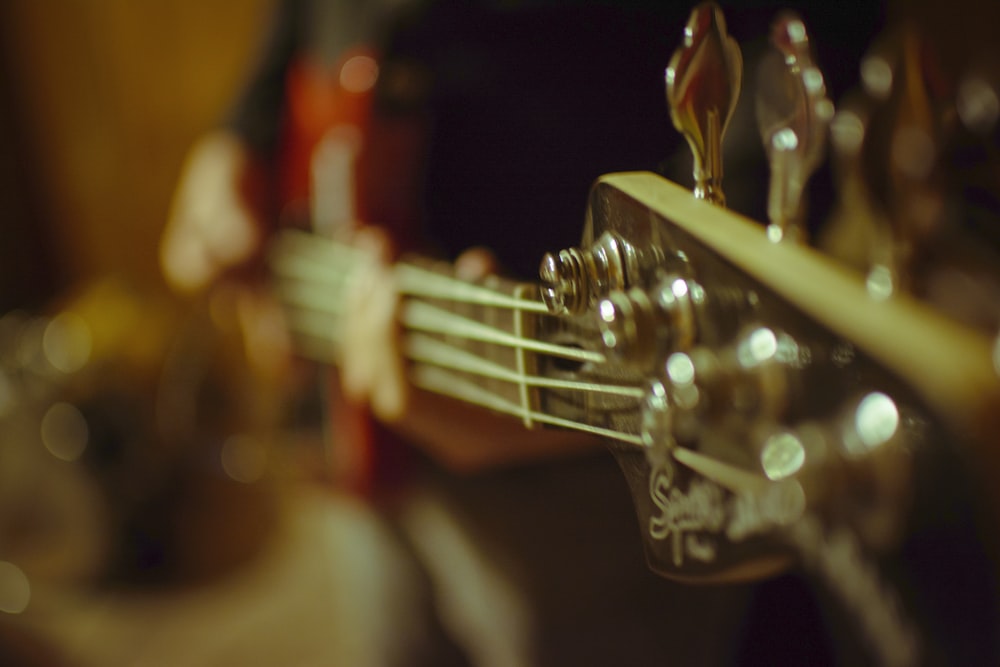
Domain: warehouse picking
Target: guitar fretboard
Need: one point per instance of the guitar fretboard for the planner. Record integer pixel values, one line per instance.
(482, 343)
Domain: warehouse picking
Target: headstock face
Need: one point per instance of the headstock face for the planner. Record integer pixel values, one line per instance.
(805, 421)
(788, 419)
(788, 398)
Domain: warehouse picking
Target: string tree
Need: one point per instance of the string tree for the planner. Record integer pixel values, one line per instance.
(703, 83)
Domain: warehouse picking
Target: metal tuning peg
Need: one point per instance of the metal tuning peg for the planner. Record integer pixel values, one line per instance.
(575, 278)
(638, 324)
(703, 80)
(641, 325)
(793, 114)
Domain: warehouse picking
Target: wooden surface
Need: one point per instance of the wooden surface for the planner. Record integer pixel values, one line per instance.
(105, 97)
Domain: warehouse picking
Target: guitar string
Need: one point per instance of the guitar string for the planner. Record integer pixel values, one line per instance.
(412, 281)
(307, 295)
(428, 350)
(313, 267)
(430, 376)
(737, 480)
(301, 255)
(423, 316)
(422, 282)
(440, 381)
(311, 295)
(320, 328)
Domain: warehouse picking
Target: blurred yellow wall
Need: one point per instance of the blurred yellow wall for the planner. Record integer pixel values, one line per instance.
(107, 95)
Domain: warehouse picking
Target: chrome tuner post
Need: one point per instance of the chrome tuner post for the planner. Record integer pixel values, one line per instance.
(564, 285)
(574, 279)
(703, 80)
(639, 326)
(793, 114)
(657, 425)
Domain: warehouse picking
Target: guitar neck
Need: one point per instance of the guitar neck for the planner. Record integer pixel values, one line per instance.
(492, 343)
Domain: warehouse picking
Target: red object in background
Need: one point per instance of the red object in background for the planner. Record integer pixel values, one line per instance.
(320, 98)
(380, 187)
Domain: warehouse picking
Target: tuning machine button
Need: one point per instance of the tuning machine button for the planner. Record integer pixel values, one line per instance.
(704, 80)
(793, 114)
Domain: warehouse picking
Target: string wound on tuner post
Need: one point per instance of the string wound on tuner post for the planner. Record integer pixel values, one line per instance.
(703, 81)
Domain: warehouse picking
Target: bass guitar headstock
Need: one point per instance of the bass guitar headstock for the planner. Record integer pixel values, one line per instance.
(770, 373)
(798, 408)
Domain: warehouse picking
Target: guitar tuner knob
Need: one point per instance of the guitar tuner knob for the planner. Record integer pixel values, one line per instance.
(793, 113)
(704, 80)
(870, 424)
(782, 455)
(902, 160)
(574, 279)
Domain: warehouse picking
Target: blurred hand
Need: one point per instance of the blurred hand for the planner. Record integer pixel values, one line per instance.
(459, 436)
(213, 224)
(371, 362)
